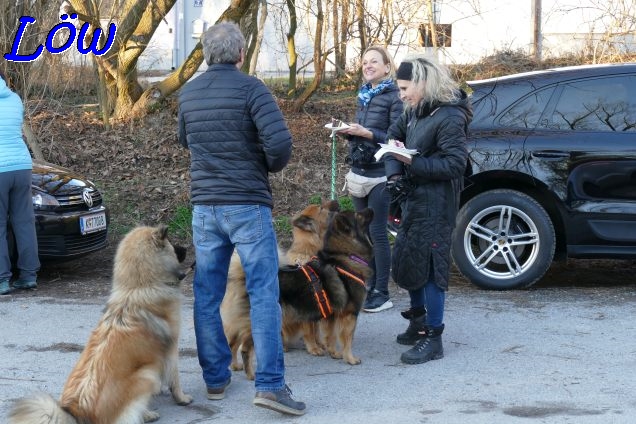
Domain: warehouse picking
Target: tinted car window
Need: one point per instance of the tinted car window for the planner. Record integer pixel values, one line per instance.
(606, 104)
(526, 113)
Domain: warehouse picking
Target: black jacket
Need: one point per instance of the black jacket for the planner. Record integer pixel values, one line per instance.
(377, 116)
(435, 177)
(236, 134)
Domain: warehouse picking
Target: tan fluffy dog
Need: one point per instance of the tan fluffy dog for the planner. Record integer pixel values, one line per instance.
(309, 227)
(133, 349)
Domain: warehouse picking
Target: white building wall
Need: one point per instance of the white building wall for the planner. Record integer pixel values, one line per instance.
(479, 28)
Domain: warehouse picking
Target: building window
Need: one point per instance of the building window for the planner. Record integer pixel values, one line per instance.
(444, 32)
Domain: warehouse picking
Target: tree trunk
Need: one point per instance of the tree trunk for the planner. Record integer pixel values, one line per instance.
(361, 25)
(249, 28)
(32, 141)
(319, 61)
(259, 36)
(341, 61)
(337, 47)
(430, 11)
(291, 47)
(137, 21)
(159, 91)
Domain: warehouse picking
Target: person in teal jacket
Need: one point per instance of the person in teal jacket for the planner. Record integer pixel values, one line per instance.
(16, 205)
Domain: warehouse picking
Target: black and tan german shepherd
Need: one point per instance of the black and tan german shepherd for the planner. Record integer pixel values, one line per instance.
(308, 231)
(331, 286)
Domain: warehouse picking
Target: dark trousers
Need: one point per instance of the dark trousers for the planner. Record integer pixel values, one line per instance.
(378, 200)
(16, 207)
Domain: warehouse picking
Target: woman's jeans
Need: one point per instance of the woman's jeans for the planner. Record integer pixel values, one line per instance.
(378, 200)
(217, 230)
(431, 296)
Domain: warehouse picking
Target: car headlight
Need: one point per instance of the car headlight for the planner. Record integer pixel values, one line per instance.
(44, 200)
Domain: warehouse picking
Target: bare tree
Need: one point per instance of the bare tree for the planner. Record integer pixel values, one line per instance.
(117, 70)
(360, 15)
(345, 13)
(291, 47)
(21, 75)
(319, 59)
(262, 17)
(432, 25)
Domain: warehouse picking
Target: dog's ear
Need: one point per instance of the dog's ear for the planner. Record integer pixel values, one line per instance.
(160, 234)
(341, 223)
(305, 223)
(331, 205)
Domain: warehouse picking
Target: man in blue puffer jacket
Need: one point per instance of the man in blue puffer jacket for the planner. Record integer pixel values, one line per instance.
(16, 205)
(236, 134)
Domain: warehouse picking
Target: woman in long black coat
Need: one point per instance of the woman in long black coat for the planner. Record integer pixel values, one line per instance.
(435, 123)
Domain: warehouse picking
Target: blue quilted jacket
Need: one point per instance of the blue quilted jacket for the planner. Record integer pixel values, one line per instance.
(382, 111)
(14, 154)
(236, 134)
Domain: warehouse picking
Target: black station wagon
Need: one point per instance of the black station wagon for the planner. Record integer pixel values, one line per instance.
(552, 173)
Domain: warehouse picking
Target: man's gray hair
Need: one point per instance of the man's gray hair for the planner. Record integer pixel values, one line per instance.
(222, 43)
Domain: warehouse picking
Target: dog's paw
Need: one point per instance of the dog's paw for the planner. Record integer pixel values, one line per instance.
(315, 350)
(335, 355)
(150, 416)
(352, 360)
(236, 366)
(183, 399)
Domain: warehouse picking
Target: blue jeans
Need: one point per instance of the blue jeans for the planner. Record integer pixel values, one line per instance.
(216, 231)
(431, 296)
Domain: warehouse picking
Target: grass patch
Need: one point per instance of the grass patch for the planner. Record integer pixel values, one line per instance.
(344, 202)
(181, 223)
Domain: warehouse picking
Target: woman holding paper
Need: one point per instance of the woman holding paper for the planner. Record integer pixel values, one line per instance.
(435, 123)
(379, 105)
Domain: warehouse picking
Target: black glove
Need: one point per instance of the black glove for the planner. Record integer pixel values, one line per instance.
(398, 188)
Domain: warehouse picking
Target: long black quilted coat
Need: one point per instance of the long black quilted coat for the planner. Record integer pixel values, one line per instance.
(236, 134)
(430, 209)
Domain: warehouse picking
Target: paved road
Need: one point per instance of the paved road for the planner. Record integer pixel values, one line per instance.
(550, 355)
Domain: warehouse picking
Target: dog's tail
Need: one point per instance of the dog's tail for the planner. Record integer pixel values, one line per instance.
(39, 408)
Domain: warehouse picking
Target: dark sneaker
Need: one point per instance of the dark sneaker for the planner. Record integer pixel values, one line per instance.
(377, 302)
(5, 288)
(24, 284)
(218, 393)
(280, 401)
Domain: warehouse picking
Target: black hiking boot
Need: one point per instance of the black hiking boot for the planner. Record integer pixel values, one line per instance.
(417, 318)
(428, 348)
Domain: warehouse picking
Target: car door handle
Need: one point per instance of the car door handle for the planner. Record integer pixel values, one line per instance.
(550, 154)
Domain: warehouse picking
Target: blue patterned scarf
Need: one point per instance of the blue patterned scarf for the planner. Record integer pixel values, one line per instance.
(367, 92)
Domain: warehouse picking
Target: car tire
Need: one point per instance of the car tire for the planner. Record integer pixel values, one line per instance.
(504, 239)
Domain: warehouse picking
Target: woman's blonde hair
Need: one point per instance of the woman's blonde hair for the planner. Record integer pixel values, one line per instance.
(435, 80)
(386, 58)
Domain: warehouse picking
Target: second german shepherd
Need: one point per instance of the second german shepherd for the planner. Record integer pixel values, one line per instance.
(332, 285)
(308, 231)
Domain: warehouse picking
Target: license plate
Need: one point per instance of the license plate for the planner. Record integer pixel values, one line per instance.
(92, 223)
